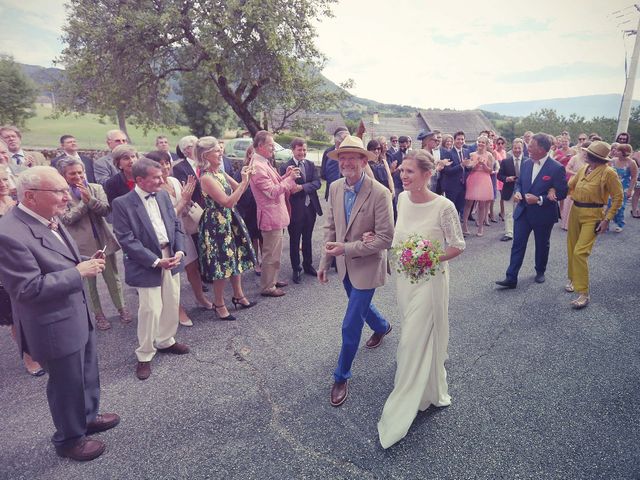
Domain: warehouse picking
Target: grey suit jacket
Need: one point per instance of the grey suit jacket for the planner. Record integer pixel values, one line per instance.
(48, 301)
(134, 231)
(104, 169)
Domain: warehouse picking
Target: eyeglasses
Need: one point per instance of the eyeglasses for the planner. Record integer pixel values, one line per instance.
(500, 143)
(377, 148)
(59, 192)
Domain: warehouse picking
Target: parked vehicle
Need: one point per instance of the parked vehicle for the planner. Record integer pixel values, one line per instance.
(236, 148)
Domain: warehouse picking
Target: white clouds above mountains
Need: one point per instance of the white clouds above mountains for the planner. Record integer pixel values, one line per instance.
(426, 53)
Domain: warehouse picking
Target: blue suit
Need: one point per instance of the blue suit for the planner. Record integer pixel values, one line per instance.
(537, 218)
(452, 178)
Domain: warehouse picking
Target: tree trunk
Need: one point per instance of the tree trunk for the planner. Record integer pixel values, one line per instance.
(240, 107)
(122, 122)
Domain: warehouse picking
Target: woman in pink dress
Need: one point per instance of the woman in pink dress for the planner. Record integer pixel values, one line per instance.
(574, 164)
(479, 185)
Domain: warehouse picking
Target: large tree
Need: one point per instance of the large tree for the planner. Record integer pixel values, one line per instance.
(109, 63)
(17, 93)
(255, 52)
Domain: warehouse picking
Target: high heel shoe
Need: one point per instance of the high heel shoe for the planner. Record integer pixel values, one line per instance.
(228, 317)
(238, 301)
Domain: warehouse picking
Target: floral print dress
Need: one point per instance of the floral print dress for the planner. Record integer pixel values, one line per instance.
(224, 242)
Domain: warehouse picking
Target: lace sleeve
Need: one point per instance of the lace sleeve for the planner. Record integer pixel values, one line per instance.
(450, 224)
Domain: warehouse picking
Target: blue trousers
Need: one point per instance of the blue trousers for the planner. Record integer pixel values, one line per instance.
(521, 231)
(359, 310)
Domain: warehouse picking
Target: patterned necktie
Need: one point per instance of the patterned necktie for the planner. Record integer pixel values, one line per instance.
(517, 167)
(53, 225)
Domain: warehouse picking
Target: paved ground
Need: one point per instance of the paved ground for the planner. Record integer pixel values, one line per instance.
(539, 390)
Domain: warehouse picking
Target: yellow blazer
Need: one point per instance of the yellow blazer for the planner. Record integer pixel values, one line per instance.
(366, 263)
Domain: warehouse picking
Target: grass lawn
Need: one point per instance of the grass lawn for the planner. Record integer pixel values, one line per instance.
(44, 132)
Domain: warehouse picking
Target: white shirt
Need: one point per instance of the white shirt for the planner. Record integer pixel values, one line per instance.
(43, 221)
(537, 167)
(193, 164)
(153, 210)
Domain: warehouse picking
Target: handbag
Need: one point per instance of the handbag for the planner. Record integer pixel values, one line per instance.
(191, 219)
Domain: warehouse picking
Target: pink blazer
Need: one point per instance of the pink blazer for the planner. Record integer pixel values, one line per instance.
(270, 192)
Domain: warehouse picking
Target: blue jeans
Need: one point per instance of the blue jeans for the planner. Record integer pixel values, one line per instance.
(359, 310)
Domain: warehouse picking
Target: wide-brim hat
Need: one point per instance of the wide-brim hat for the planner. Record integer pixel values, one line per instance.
(349, 145)
(599, 150)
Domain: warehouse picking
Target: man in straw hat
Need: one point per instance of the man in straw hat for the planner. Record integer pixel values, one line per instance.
(357, 205)
(590, 189)
(539, 188)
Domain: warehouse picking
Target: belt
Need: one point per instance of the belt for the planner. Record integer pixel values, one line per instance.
(166, 245)
(588, 205)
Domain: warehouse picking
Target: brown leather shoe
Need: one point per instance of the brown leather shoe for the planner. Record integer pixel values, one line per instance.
(83, 451)
(281, 284)
(339, 393)
(143, 370)
(103, 421)
(274, 292)
(176, 349)
(376, 339)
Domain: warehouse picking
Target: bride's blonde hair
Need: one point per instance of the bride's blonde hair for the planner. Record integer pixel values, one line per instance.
(424, 160)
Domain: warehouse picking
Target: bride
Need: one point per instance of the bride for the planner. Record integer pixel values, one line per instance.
(421, 379)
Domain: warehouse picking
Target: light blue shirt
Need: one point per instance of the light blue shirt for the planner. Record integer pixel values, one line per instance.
(350, 194)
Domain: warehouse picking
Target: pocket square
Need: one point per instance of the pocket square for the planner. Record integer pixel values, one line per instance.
(546, 178)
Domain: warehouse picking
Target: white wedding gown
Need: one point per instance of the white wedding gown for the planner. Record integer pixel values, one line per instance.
(421, 379)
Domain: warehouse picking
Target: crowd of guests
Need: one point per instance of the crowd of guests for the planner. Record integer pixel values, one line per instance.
(196, 211)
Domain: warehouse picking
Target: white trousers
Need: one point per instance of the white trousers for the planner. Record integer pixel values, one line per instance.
(508, 217)
(158, 316)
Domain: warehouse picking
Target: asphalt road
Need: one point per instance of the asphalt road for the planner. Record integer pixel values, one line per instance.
(539, 390)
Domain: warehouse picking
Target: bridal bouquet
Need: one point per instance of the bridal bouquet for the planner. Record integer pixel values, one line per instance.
(418, 258)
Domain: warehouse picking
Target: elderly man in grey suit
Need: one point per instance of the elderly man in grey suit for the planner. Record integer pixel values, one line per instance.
(42, 270)
(151, 237)
(358, 206)
(103, 168)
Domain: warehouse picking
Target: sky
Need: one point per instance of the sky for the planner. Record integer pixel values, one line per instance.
(426, 53)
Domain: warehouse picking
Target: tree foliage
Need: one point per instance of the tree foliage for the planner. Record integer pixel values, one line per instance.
(257, 53)
(18, 93)
(109, 61)
(205, 110)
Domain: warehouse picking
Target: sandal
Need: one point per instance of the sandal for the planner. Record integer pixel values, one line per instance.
(580, 302)
(237, 301)
(125, 315)
(101, 322)
(569, 287)
(228, 317)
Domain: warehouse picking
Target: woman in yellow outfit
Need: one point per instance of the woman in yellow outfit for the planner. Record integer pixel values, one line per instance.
(590, 189)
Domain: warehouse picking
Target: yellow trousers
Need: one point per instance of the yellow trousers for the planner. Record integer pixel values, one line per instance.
(580, 239)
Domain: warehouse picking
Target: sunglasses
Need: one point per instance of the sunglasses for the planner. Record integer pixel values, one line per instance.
(500, 143)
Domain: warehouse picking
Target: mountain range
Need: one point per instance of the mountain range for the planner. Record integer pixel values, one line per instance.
(589, 106)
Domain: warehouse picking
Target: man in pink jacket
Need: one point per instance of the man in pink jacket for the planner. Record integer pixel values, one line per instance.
(271, 191)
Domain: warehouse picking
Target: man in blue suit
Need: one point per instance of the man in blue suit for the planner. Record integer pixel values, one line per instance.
(452, 176)
(150, 234)
(539, 188)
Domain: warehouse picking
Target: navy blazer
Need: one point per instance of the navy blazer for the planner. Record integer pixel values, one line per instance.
(115, 187)
(47, 297)
(181, 171)
(452, 176)
(134, 231)
(310, 186)
(552, 175)
(508, 169)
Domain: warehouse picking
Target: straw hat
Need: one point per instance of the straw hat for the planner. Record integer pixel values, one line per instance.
(351, 144)
(599, 150)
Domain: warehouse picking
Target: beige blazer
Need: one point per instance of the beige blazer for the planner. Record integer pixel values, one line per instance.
(79, 216)
(366, 263)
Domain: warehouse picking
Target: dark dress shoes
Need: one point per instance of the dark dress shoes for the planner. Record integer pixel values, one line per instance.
(103, 421)
(176, 349)
(297, 276)
(507, 283)
(339, 393)
(506, 238)
(143, 370)
(376, 338)
(311, 271)
(82, 451)
(540, 278)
